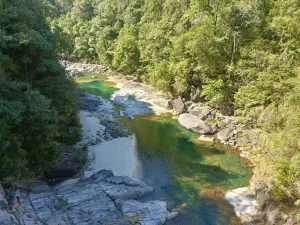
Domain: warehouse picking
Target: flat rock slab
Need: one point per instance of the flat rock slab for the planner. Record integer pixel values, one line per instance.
(81, 202)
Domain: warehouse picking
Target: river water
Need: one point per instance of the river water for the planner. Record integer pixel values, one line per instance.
(191, 176)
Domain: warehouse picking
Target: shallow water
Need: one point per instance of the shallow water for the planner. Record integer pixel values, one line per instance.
(98, 87)
(192, 177)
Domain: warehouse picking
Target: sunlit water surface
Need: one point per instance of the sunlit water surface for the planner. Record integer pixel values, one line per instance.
(191, 176)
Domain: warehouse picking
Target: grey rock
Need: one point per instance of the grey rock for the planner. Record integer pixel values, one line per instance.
(214, 127)
(203, 112)
(195, 94)
(131, 107)
(193, 123)
(81, 202)
(6, 216)
(206, 111)
(188, 104)
(24, 210)
(225, 134)
(162, 103)
(179, 106)
(78, 69)
(150, 213)
(91, 201)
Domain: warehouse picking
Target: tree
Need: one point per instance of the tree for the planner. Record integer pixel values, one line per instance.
(36, 116)
(126, 54)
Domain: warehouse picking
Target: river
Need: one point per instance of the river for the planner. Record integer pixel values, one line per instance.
(191, 176)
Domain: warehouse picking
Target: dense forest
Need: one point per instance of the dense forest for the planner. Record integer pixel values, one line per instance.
(241, 57)
(38, 115)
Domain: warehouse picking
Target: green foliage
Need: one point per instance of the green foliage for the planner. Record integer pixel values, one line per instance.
(37, 107)
(219, 94)
(126, 56)
(243, 56)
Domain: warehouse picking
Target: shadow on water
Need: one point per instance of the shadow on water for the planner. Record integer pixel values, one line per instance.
(191, 177)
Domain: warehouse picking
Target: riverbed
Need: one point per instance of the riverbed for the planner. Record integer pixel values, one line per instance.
(191, 176)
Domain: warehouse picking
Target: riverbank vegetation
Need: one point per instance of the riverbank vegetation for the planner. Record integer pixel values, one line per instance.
(241, 57)
(37, 106)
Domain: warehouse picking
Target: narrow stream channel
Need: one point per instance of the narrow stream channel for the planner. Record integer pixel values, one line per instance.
(192, 177)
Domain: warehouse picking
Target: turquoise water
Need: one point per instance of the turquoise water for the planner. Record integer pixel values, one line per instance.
(98, 87)
(191, 176)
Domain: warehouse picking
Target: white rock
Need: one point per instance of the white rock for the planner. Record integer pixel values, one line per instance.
(244, 203)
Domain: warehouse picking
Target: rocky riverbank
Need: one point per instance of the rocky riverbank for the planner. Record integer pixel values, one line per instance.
(95, 196)
(101, 199)
(251, 203)
(136, 98)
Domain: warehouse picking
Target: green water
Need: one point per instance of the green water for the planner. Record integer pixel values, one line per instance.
(190, 176)
(98, 87)
(193, 177)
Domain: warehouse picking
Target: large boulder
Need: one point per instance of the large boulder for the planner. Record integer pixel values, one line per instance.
(178, 106)
(149, 213)
(193, 123)
(225, 134)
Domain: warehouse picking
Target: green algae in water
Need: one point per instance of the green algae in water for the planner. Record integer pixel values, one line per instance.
(186, 172)
(95, 84)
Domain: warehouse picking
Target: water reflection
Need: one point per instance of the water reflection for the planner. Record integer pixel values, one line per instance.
(192, 177)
